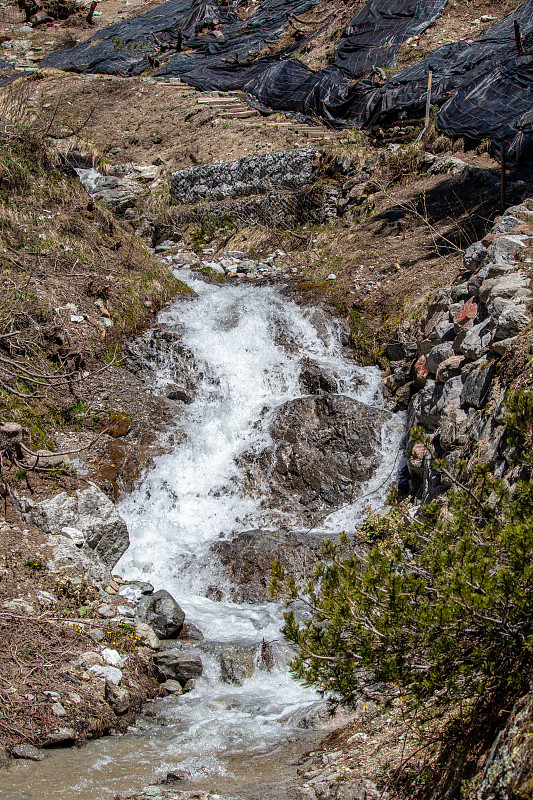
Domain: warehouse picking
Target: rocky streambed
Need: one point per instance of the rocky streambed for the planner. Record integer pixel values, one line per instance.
(277, 429)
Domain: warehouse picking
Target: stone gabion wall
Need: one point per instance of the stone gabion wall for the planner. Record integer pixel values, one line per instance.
(445, 371)
(317, 204)
(250, 175)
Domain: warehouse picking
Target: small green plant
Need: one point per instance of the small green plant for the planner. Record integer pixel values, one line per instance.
(61, 469)
(365, 344)
(122, 635)
(209, 227)
(130, 47)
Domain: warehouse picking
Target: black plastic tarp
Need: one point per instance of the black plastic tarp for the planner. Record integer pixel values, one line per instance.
(454, 66)
(484, 85)
(497, 106)
(223, 51)
(490, 90)
(371, 39)
(214, 37)
(374, 35)
(8, 74)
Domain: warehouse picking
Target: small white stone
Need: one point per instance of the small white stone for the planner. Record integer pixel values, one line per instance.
(113, 658)
(75, 534)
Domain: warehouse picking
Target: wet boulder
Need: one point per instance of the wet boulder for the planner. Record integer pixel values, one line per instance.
(323, 450)
(236, 664)
(315, 379)
(162, 613)
(178, 665)
(248, 557)
(27, 751)
(161, 347)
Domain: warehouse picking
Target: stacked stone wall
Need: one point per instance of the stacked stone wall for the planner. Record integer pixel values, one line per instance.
(445, 372)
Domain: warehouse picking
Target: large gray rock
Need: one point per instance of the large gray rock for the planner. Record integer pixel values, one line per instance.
(496, 269)
(477, 340)
(88, 510)
(477, 385)
(236, 664)
(449, 368)
(150, 357)
(424, 407)
(144, 173)
(111, 674)
(460, 292)
(315, 379)
(503, 248)
(507, 286)
(451, 390)
(27, 751)
(117, 193)
(522, 212)
(323, 449)
(505, 224)
(438, 354)
(502, 346)
(248, 557)
(178, 665)
(162, 613)
(403, 343)
(453, 426)
(147, 636)
(507, 770)
(474, 256)
(60, 738)
(437, 322)
(510, 318)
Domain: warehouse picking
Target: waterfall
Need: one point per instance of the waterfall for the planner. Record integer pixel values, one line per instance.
(247, 343)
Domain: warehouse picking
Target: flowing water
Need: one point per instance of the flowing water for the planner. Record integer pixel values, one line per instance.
(247, 344)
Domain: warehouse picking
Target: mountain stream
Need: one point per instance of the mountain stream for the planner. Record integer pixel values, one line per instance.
(247, 343)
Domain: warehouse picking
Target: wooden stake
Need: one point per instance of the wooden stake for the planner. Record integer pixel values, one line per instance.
(503, 176)
(518, 37)
(428, 99)
(90, 12)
